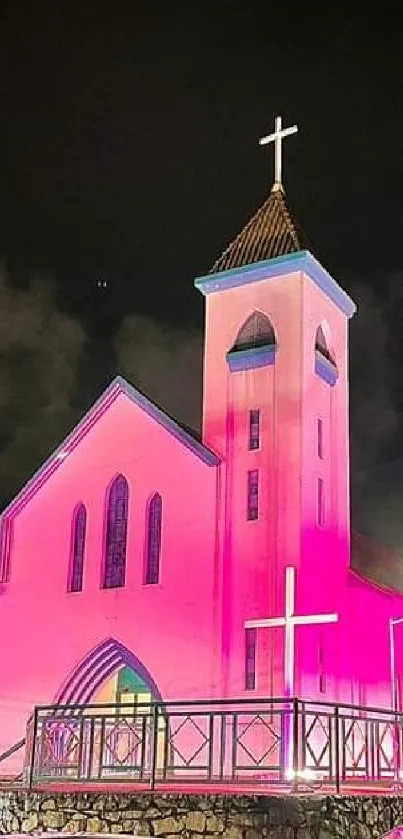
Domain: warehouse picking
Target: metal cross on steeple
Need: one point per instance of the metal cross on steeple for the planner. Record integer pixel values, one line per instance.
(277, 137)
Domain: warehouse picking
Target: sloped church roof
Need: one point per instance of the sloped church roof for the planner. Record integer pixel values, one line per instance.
(118, 386)
(272, 231)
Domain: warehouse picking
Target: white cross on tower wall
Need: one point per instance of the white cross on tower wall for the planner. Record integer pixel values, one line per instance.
(277, 137)
(290, 621)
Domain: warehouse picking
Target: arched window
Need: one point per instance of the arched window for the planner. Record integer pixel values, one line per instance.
(255, 344)
(76, 570)
(325, 365)
(257, 331)
(153, 548)
(321, 345)
(116, 533)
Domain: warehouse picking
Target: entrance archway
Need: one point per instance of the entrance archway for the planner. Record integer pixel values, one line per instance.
(122, 734)
(106, 659)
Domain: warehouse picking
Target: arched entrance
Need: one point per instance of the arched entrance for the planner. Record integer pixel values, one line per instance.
(108, 725)
(110, 667)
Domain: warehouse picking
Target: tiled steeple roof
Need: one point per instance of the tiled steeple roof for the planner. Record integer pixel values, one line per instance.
(271, 232)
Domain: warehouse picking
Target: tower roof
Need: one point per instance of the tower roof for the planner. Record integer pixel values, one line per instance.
(271, 232)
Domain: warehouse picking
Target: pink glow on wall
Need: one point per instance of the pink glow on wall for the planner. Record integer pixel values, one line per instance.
(218, 569)
(296, 406)
(171, 626)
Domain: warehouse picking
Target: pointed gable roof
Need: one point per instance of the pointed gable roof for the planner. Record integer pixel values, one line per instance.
(271, 232)
(117, 387)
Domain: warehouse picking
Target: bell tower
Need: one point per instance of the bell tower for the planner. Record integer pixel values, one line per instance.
(275, 408)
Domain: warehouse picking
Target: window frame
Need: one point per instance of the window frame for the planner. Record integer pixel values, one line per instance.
(79, 517)
(108, 581)
(320, 502)
(254, 422)
(250, 676)
(252, 494)
(156, 498)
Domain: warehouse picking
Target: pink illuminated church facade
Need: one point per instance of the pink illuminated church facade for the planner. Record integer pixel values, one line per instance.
(139, 561)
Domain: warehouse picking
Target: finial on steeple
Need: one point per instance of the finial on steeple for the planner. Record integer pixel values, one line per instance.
(277, 137)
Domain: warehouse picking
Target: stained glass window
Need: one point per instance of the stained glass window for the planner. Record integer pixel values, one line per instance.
(116, 534)
(254, 429)
(77, 549)
(253, 494)
(250, 659)
(154, 521)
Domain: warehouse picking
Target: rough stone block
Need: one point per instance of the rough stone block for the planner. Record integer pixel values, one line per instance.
(74, 825)
(233, 832)
(48, 804)
(95, 825)
(30, 823)
(214, 824)
(53, 819)
(164, 826)
(152, 813)
(196, 822)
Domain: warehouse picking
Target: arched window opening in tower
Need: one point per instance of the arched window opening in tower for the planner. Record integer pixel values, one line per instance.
(321, 346)
(257, 331)
(255, 344)
(325, 365)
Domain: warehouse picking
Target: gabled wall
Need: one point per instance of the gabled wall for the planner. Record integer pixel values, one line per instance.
(171, 627)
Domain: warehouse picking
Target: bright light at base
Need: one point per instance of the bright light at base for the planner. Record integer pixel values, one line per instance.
(303, 774)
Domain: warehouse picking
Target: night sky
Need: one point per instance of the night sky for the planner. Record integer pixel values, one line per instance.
(129, 156)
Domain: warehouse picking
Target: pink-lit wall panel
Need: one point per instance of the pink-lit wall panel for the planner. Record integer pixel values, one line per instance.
(218, 569)
(171, 627)
(330, 663)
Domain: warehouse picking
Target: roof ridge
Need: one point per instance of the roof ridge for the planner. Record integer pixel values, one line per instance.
(118, 386)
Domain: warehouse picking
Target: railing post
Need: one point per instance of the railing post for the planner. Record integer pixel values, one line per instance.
(31, 766)
(397, 722)
(295, 743)
(337, 747)
(154, 750)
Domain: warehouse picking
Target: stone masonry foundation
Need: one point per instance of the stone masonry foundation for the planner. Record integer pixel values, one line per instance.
(191, 816)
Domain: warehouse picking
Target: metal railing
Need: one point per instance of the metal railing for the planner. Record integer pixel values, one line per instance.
(253, 742)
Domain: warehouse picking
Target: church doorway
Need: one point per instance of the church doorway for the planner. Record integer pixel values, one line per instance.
(129, 722)
(110, 700)
(105, 674)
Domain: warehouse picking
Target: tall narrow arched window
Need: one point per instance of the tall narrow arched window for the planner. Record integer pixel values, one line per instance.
(255, 344)
(75, 582)
(153, 548)
(116, 534)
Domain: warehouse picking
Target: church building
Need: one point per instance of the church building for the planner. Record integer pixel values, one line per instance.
(141, 562)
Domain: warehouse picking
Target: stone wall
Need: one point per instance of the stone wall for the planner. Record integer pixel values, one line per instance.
(191, 816)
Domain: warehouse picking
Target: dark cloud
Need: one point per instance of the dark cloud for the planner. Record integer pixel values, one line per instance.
(376, 398)
(40, 351)
(373, 414)
(164, 363)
